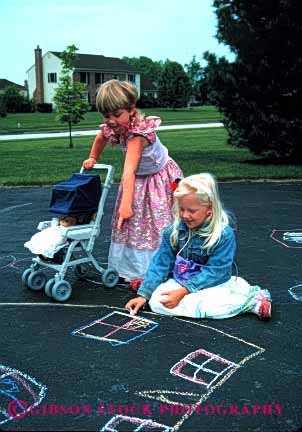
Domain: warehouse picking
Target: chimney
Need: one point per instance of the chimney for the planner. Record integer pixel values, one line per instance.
(39, 94)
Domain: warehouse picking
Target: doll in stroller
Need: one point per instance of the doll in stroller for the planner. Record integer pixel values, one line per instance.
(67, 242)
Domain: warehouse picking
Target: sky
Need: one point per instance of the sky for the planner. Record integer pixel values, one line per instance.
(158, 29)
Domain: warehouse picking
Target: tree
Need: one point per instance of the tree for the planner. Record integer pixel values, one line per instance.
(174, 86)
(70, 96)
(13, 99)
(195, 74)
(151, 69)
(260, 92)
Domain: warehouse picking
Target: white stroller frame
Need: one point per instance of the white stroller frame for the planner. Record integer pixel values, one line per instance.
(81, 238)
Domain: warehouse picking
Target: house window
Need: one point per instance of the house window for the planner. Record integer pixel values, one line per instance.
(84, 77)
(131, 78)
(99, 78)
(120, 77)
(52, 77)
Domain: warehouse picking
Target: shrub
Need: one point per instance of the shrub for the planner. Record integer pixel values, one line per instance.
(26, 107)
(147, 102)
(3, 111)
(44, 107)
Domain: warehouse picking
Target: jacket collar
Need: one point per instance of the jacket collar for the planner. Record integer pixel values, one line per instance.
(182, 227)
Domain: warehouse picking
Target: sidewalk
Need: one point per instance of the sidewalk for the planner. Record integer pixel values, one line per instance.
(94, 132)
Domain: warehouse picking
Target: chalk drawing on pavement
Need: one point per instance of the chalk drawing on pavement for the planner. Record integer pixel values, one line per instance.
(14, 263)
(202, 367)
(18, 394)
(288, 239)
(296, 292)
(117, 328)
(221, 369)
(121, 423)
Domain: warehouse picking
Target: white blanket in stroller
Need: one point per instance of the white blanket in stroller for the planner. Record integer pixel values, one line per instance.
(47, 242)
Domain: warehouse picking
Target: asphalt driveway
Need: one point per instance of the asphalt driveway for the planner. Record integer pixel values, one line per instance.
(62, 369)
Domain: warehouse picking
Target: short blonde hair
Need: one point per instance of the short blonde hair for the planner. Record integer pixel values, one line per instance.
(114, 95)
(205, 187)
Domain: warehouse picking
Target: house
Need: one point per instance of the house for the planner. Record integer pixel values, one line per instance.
(93, 70)
(4, 83)
(148, 87)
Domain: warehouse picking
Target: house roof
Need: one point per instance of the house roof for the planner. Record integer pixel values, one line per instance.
(100, 62)
(147, 84)
(6, 83)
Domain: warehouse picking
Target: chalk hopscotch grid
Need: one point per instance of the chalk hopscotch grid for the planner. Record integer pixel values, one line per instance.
(117, 334)
(14, 378)
(139, 424)
(178, 367)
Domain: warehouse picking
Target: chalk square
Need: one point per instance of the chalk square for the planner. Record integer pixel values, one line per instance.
(202, 367)
(117, 328)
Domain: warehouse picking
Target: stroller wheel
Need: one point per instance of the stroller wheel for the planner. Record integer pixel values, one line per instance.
(36, 280)
(25, 276)
(61, 291)
(110, 278)
(50, 283)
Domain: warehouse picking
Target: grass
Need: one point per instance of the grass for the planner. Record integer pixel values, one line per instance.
(47, 161)
(35, 122)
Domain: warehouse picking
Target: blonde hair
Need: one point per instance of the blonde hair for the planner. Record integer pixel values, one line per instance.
(114, 95)
(205, 187)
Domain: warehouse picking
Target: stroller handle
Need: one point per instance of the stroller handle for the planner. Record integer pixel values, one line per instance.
(109, 168)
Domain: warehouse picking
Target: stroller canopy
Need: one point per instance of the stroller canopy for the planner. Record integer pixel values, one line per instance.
(79, 195)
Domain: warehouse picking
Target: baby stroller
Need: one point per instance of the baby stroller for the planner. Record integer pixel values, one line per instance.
(76, 196)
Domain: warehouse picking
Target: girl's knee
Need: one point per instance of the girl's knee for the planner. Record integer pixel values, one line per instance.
(240, 281)
(155, 304)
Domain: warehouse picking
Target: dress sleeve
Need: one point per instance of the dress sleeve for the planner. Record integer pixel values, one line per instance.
(109, 134)
(145, 128)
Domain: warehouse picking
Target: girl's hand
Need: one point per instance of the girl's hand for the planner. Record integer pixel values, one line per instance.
(172, 298)
(134, 305)
(124, 213)
(88, 163)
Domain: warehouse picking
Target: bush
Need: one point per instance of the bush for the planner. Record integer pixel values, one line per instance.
(147, 102)
(196, 103)
(44, 107)
(26, 107)
(3, 111)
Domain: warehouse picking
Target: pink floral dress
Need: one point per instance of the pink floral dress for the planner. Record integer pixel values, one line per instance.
(133, 246)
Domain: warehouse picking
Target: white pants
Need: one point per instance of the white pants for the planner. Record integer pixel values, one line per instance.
(222, 301)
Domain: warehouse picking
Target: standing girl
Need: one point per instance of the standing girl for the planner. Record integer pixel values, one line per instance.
(145, 198)
(191, 274)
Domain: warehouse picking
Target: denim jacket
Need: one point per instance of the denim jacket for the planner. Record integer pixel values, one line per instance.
(216, 263)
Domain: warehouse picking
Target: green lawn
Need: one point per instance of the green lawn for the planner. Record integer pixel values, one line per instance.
(47, 161)
(35, 122)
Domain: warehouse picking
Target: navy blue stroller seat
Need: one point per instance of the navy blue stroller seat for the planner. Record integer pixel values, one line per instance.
(77, 196)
